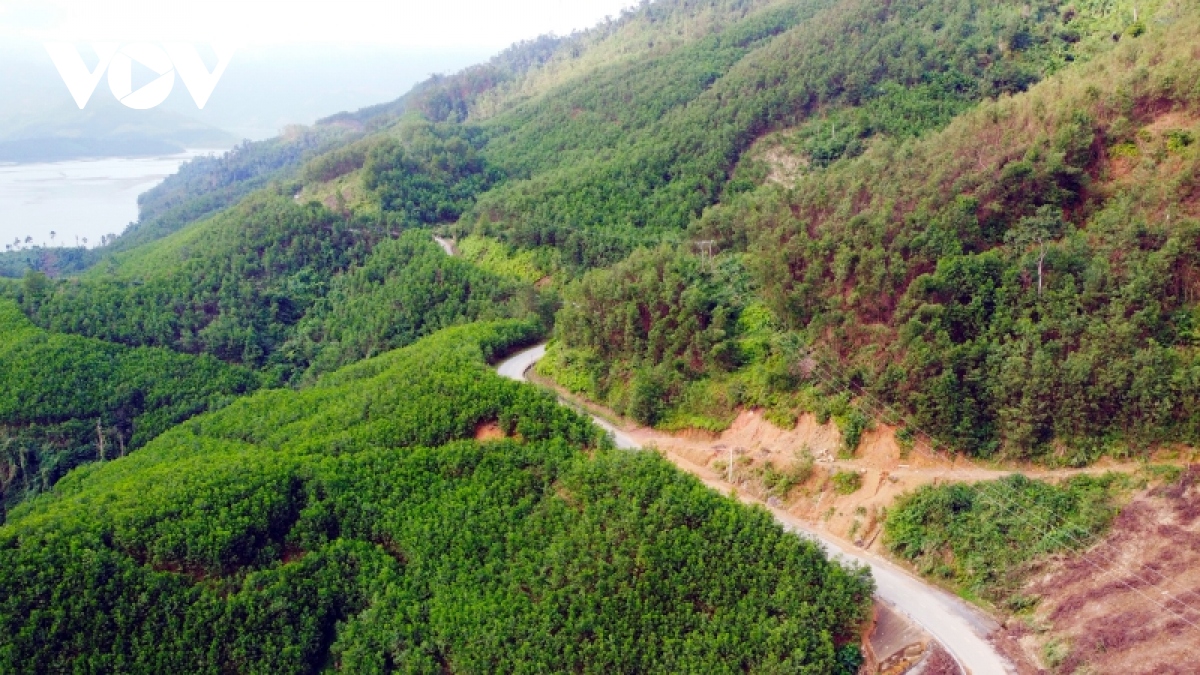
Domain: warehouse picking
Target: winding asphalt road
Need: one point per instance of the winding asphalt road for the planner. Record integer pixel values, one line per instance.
(960, 628)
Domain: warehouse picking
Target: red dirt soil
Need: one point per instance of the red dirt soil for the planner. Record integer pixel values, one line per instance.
(488, 431)
(1099, 623)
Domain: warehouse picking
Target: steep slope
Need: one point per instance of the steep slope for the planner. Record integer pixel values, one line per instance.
(207, 185)
(405, 290)
(614, 136)
(1019, 282)
(532, 68)
(866, 212)
(621, 144)
(229, 286)
(67, 400)
(350, 526)
(685, 117)
(1142, 617)
(595, 150)
(237, 284)
(280, 285)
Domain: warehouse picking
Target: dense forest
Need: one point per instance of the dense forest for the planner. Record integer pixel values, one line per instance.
(246, 434)
(407, 288)
(354, 525)
(278, 284)
(686, 116)
(1021, 282)
(66, 400)
(229, 286)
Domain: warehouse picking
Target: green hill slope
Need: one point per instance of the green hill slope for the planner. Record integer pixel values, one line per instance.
(349, 526)
(658, 141)
(982, 219)
(591, 146)
(280, 285)
(1020, 282)
(803, 139)
(67, 400)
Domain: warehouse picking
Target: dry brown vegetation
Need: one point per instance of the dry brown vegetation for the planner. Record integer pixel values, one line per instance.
(1131, 605)
(940, 663)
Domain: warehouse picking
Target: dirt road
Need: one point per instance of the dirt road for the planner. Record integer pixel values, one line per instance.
(962, 629)
(446, 244)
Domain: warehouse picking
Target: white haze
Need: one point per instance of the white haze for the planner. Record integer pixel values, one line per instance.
(405, 23)
(296, 61)
(265, 88)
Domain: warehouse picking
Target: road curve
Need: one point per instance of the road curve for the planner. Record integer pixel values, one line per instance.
(514, 368)
(960, 628)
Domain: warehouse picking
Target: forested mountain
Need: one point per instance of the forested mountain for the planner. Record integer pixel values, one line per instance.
(685, 117)
(66, 400)
(1021, 282)
(406, 289)
(985, 216)
(47, 127)
(871, 186)
(237, 287)
(351, 526)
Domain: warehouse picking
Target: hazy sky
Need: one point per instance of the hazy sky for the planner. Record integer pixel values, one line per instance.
(407, 23)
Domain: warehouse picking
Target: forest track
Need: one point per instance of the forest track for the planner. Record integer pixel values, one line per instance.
(447, 245)
(961, 628)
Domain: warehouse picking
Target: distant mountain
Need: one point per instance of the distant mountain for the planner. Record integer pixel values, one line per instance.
(40, 122)
(264, 90)
(106, 129)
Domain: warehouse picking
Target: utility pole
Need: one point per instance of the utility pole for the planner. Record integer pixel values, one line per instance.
(706, 245)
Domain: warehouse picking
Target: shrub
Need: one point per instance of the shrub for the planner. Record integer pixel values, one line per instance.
(1178, 139)
(852, 426)
(847, 482)
(978, 535)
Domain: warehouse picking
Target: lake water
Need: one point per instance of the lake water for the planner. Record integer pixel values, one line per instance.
(77, 199)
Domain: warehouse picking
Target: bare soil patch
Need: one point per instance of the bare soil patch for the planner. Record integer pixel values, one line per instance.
(939, 662)
(1089, 620)
(1132, 604)
(886, 470)
(786, 167)
(489, 431)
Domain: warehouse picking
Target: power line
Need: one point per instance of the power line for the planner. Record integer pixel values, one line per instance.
(1046, 534)
(933, 442)
(883, 410)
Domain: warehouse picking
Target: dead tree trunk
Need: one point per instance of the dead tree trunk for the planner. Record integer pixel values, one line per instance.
(24, 468)
(1041, 264)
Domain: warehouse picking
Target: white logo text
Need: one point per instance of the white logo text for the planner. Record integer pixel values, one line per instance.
(117, 60)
